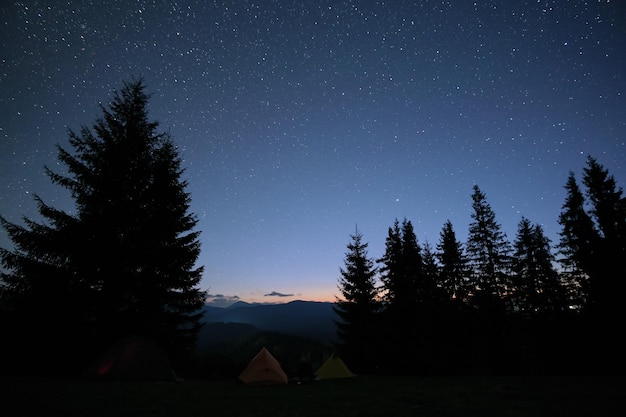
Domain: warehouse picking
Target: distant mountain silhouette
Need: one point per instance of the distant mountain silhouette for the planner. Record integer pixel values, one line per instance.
(215, 334)
(239, 304)
(306, 319)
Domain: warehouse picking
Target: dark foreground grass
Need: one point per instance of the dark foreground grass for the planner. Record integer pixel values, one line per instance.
(359, 396)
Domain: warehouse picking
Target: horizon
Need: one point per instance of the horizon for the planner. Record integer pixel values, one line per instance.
(223, 302)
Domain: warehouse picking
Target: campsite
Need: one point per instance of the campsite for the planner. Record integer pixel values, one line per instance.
(134, 379)
(358, 396)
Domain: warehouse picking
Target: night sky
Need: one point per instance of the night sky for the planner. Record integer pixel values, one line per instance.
(300, 120)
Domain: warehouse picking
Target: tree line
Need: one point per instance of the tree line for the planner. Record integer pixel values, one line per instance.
(123, 262)
(488, 304)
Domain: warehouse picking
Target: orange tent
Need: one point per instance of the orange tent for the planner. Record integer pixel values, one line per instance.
(263, 369)
(134, 358)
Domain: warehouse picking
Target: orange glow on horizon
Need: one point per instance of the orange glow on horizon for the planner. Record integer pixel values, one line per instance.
(316, 295)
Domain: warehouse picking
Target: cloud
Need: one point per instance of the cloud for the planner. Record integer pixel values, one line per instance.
(277, 294)
(221, 300)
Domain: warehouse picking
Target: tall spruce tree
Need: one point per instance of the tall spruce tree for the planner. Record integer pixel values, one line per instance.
(593, 237)
(406, 291)
(579, 241)
(402, 269)
(488, 251)
(125, 262)
(537, 288)
(608, 207)
(358, 306)
(433, 292)
(608, 210)
(453, 273)
(592, 246)
(390, 265)
(415, 288)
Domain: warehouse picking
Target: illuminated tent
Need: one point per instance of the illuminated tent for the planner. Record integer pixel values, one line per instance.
(263, 369)
(334, 367)
(133, 358)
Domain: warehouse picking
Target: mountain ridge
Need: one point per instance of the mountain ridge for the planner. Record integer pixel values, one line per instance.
(309, 319)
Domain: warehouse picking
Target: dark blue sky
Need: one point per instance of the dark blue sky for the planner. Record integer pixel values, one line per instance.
(299, 120)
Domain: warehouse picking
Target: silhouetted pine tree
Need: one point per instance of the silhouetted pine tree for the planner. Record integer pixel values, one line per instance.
(437, 321)
(416, 288)
(453, 272)
(390, 268)
(537, 288)
(432, 291)
(593, 241)
(592, 246)
(45, 301)
(407, 294)
(579, 237)
(124, 263)
(358, 307)
(402, 269)
(578, 242)
(608, 210)
(453, 281)
(489, 253)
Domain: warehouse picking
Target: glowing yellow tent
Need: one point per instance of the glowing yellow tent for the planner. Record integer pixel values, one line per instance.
(334, 367)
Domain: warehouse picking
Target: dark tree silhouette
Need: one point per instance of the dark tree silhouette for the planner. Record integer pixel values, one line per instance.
(489, 253)
(410, 294)
(608, 205)
(432, 291)
(537, 288)
(402, 269)
(125, 261)
(358, 306)
(593, 241)
(415, 288)
(593, 247)
(578, 241)
(608, 210)
(453, 273)
(390, 269)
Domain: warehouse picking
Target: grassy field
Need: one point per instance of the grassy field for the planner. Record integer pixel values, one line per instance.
(359, 396)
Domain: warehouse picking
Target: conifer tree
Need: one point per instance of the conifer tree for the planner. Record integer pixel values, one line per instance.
(488, 251)
(608, 207)
(608, 210)
(579, 237)
(358, 306)
(537, 288)
(406, 292)
(453, 275)
(125, 261)
(414, 288)
(593, 241)
(593, 248)
(390, 265)
(402, 269)
(579, 241)
(432, 290)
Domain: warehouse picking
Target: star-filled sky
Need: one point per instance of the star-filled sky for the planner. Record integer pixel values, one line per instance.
(299, 121)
